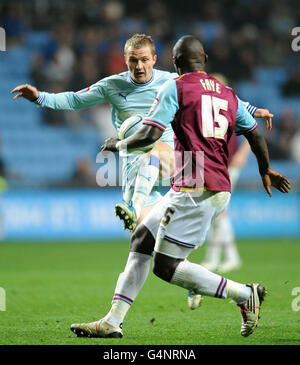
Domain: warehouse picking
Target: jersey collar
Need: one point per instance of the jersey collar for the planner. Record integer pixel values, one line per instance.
(141, 84)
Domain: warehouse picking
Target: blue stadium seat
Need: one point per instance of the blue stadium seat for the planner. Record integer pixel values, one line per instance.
(271, 75)
(35, 41)
(261, 95)
(293, 103)
(11, 59)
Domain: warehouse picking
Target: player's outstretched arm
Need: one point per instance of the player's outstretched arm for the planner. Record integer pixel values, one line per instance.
(258, 113)
(145, 136)
(67, 100)
(265, 113)
(269, 177)
(26, 91)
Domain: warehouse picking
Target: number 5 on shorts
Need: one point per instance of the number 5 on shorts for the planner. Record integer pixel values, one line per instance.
(167, 216)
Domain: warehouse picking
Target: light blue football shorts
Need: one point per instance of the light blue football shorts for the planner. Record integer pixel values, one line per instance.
(131, 163)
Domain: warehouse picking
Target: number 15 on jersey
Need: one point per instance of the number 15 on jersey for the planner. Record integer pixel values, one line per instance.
(210, 109)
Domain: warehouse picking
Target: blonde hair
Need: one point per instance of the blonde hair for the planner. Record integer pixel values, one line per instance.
(139, 41)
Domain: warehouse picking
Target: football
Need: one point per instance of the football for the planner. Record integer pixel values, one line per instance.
(129, 127)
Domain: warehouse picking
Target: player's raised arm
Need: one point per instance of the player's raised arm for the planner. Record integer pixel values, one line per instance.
(68, 100)
(259, 113)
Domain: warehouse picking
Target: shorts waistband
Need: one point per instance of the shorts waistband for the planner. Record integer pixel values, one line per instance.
(192, 190)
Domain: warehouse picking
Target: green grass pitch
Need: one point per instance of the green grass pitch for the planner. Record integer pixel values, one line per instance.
(51, 285)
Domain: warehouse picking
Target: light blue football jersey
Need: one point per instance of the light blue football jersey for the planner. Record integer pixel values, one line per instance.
(125, 96)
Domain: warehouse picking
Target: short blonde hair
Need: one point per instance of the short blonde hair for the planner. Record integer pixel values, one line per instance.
(139, 41)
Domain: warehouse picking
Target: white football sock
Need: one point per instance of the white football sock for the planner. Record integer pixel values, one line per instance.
(213, 249)
(146, 178)
(228, 240)
(221, 237)
(236, 291)
(129, 284)
(195, 277)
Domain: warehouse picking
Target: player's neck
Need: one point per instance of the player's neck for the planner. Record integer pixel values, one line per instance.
(191, 68)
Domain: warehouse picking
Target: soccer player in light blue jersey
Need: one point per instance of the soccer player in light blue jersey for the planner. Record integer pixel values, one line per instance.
(129, 93)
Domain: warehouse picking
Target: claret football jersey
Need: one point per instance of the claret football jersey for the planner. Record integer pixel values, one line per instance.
(204, 114)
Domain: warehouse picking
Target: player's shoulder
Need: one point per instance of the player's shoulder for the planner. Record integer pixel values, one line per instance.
(114, 82)
(121, 77)
(168, 87)
(165, 75)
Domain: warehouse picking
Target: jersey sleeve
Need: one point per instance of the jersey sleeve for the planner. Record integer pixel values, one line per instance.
(70, 100)
(165, 106)
(245, 123)
(250, 108)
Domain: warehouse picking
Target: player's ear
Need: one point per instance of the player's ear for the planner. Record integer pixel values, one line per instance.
(154, 59)
(177, 61)
(205, 58)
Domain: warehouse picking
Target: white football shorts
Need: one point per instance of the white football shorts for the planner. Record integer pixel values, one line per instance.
(181, 220)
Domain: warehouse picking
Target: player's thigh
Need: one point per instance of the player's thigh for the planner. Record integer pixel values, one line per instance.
(186, 222)
(152, 200)
(143, 238)
(145, 211)
(152, 219)
(166, 156)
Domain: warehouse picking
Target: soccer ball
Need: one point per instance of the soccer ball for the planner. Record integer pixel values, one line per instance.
(129, 127)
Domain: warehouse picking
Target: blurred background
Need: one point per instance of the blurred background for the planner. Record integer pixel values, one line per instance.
(48, 158)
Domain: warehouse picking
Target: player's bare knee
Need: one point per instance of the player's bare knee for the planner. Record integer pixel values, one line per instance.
(164, 266)
(142, 240)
